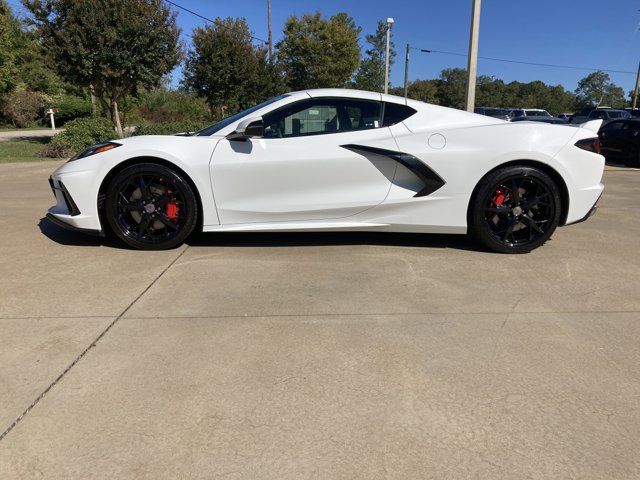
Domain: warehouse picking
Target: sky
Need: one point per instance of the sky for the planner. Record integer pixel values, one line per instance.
(582, 33)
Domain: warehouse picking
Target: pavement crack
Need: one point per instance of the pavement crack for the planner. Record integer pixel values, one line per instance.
(86, 350)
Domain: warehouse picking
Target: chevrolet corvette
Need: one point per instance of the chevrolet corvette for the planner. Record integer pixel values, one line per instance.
(337, 160)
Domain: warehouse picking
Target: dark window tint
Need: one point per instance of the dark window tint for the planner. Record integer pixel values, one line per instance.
(583, 112)
(597, 114)
(320, 116)
(613, 127)
(396, 113)
(619, 114)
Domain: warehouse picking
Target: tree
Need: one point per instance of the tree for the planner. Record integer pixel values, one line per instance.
(317, 52)
(371, 73)
(452, 87)
(9, 39)
(423, 90)
(114, 47)
(227, 69)
(598, 89)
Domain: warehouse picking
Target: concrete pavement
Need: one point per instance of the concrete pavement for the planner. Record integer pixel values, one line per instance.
(318, 355)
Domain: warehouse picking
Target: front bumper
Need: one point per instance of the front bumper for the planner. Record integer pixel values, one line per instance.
(67, 226)
(67, 214)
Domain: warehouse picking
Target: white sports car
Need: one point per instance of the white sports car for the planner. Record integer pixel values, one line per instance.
(336, 159)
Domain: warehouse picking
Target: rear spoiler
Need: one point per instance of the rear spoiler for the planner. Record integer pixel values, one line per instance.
(593, 125)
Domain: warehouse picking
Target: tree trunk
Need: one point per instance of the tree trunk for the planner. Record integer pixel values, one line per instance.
(94, 108)
(115, 117)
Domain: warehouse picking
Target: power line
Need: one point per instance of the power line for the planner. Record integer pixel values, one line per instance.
(215, 22)
(570, 67)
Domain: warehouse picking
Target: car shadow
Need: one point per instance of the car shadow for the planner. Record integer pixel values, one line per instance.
(42, 139)
(277, 239)
(69, 237)
(308, 239)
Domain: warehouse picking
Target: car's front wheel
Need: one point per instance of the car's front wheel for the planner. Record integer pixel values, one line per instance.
(515, 209)
(151, 207)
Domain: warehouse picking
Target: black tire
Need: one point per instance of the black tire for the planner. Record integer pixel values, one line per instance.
(151, 207)
(515, 209)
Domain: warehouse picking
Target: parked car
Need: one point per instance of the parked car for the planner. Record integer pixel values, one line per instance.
(620, 140)
(606, 114)
(634, 112)
(534, 115)
(336, 159)
(500, 113)
(565, 116)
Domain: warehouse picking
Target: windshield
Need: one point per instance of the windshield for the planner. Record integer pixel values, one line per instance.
(229, 120)
(537, 113)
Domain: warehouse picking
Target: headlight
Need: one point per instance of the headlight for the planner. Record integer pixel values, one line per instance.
(99, 148)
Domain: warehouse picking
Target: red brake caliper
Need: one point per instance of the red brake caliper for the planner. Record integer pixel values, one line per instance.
(172, 207)
(498, 198)
(497, 201)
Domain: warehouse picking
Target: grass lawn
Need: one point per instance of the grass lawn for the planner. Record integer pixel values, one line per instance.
(22, 150)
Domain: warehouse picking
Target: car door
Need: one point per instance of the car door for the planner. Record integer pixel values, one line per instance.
(611, 138)
(300, 169)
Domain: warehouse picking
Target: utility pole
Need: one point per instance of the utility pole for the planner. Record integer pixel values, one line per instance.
(386, 67)
(269, 38)
(635, 91)
(472, 64)
(406, 72)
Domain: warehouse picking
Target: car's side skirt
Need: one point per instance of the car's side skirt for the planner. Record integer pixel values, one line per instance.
(335, 227)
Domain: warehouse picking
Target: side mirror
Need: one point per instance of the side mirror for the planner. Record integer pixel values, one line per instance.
(249, 128)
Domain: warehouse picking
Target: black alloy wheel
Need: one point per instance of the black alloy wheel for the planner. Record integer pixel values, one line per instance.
(151, 207)
(515, 210)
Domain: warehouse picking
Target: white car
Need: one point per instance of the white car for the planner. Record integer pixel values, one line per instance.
(334, 159)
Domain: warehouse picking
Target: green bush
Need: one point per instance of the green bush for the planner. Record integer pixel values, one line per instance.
(170, 128)
(23, 108)
(78, 135)
(70, 107)
(161, 106)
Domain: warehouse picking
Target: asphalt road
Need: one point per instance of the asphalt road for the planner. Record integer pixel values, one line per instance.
(337, 356)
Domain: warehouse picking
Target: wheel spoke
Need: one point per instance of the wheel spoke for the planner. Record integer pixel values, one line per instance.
(498, 210)
(532, 224)
(144, 225)
(167, 221)
(131, 206)
(161, 200)
(509, 230)
(535, 201)
(515, 192)
(144, 190)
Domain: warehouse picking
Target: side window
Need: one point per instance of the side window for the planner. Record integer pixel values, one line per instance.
(396, 113)
(598, 114)
(321, 116)
(613, 128)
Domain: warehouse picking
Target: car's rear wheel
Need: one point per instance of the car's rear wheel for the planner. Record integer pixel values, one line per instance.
(151, 207)
(515, 209)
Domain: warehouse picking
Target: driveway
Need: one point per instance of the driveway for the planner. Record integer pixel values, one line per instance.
(340, 356)
(27, 134)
